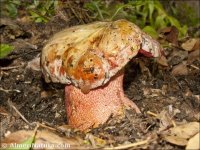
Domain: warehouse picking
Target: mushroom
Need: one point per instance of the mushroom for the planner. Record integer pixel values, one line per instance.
(90, 59)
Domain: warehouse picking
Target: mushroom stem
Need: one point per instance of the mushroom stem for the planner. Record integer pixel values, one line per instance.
(89, 110)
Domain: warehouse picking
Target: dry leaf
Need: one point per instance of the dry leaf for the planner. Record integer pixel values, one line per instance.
(95, 141)
(34, 64)
(180, 69)
(197, 45)
(191, 44)
(100, 142)
(44, 138)
(170, 34)
(194, 55)
(176, 140)
(177, 56)
(3, 111)
(165, 120)
(150, 92)
(162, 61)
(186, 130)
(17, 137)
(193, 143)
(179, 135)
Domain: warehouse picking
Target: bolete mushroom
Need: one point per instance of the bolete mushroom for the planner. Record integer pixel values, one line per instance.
(90, 59)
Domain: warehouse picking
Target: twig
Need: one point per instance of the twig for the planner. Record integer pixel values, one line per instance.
(47, 126)
(7, 91)
(11, 67)
(171, 45)
(177, 83)
(146, 130)
(195, 67)
(173, 123)
(153, 114)
(127, 145)
(17, 111)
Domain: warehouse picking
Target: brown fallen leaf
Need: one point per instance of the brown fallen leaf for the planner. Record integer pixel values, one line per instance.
(179, 135)
(34, 64)
(191, 44)
(176, 140)
(3, 111)
(193, 143)
(177, 56)
(44, 138)
(194, 55)
(166, 120)
(197, 45)
(170, 34)
(95, 141)
(180, 69)
(162, 61)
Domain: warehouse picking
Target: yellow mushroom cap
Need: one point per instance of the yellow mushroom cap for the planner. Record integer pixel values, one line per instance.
(89, 55)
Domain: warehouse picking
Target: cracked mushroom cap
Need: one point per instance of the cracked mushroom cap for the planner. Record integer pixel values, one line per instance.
(87, 56)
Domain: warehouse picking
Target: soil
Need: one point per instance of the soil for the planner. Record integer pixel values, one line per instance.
(152, 87)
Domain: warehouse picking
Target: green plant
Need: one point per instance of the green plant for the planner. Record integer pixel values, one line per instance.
(10, 7)
(149, 15)
(185, 12)
(27, 144)
(38, 10)
(5, 49)
(42, 11)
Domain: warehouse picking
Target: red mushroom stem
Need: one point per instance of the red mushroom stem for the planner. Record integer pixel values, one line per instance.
(89, 110)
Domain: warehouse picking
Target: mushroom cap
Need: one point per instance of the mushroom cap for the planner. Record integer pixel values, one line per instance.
(89, 55)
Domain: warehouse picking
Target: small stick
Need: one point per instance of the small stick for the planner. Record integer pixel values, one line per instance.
(7, 91)
(33, 123)
(195, 67)
(17, 111)
(174, 123)
(46, 126)
(153, 114)
(127, 145)
(11, 67)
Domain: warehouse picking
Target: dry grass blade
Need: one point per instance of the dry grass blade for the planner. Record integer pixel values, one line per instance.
(127, 145)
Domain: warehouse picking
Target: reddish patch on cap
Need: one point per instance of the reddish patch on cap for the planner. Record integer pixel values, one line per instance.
(145, 53)
(62, 71)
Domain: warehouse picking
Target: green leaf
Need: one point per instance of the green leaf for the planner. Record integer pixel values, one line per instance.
(5, 49)
(159, 7)
(25, 145)
(12, 9)
(38, 20)
(160, 22)
(151, 31)
(183, 31)
(151, 9)
(119, 9)
(174, 22)
(16, 2)
(36, 3)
